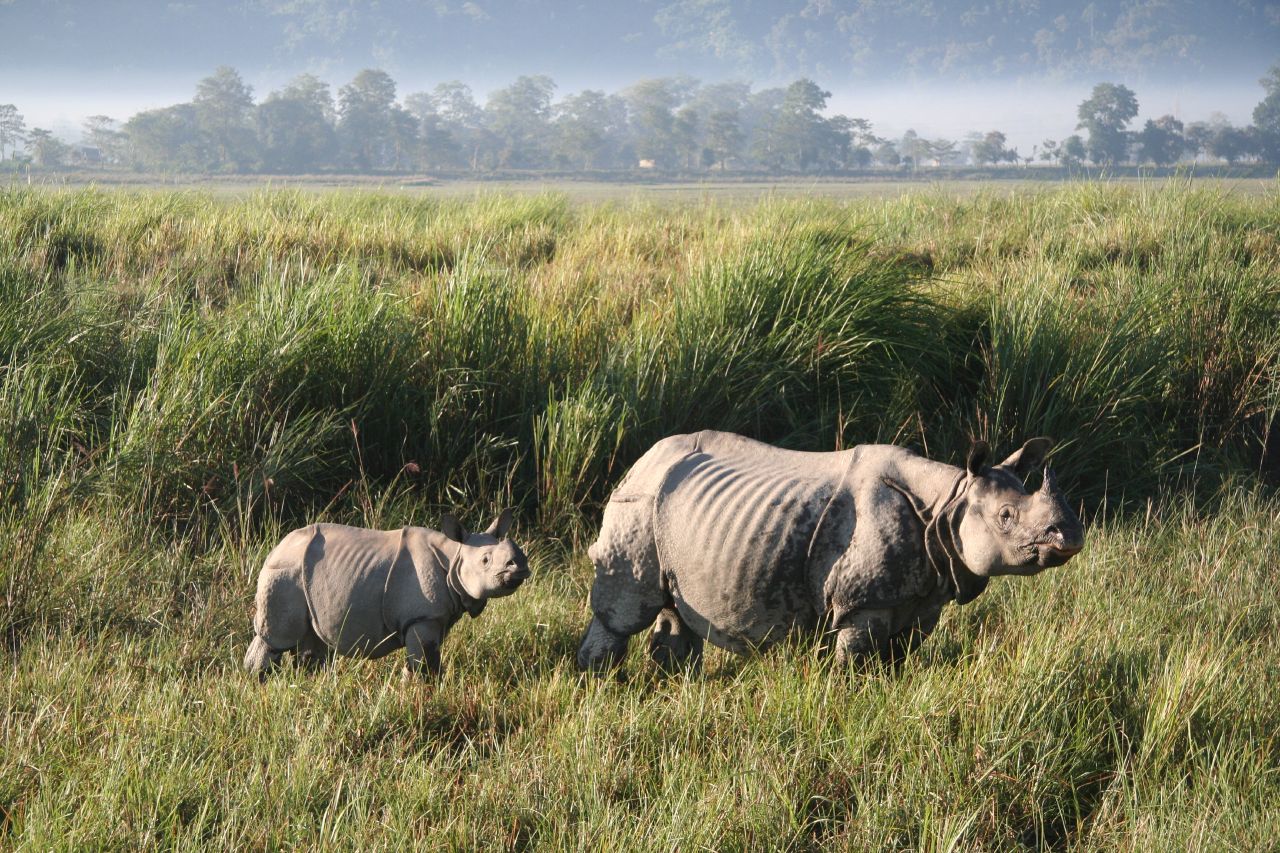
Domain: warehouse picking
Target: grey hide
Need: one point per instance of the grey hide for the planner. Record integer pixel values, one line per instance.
(365, 593)
(718, 537)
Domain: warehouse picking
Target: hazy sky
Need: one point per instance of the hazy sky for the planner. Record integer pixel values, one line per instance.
(942, 68)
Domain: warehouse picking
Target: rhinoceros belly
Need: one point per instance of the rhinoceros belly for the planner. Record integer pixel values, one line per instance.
(732, 538)
(346, 575)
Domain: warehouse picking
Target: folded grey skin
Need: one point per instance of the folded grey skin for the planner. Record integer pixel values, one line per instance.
(365, 593)
(713, 536)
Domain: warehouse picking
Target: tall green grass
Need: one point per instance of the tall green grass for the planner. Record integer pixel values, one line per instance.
(184, 378)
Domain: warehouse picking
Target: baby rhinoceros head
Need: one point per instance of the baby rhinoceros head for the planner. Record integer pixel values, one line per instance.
(1007, 530)
(489, 564)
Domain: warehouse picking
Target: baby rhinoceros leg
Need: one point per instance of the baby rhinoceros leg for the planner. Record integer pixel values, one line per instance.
(673, 644)
(422, 648)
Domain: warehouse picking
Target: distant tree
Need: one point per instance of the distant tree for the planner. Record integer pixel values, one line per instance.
(46, 149)
(583, 127)
(990, 148)
(519, 116)
(406, 139)
(1105, 114)
(101, 132)
(1266, 117)
(686, 136)
(1073, 151)
(167, 138)
(1160, 141)
(943, 151)
(460, 119)
(1230, 143)
(886, 154)
(854, 141)
(800, 132)
(724, 135)
(12, 128)
(366, 134)
(913, 149)
(296, 127)
(652, 104)
(438, 148)
(223, 106)
(1196, 138)
(1050, 150)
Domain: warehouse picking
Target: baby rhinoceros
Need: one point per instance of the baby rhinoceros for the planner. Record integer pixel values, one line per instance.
(716, 537)
(366, 593)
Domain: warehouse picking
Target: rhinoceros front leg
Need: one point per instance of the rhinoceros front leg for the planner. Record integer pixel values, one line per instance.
(422, 649)
(673, 644)
(871, 633)
(312, 652)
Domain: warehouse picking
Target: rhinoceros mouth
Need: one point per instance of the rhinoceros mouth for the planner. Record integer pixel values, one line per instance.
(512, 580)
(1051, 556)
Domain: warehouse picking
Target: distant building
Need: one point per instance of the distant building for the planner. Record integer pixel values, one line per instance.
(646, 164)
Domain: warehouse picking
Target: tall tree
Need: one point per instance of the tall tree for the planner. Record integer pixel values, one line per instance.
(800, 130)
(1105, 114)
(223, 106)
(1161, 141)
(46, 149)
(583, 128)
(167, 138)
(1196, 138)
(686, 136)
(1230, 143)
(365, 130)
(724, 135)
(1072, 152)
(295, 127)
(12, 128)
(102, 132)
(990, 148)
(652, 106)
(519, 116)
(1266, 117)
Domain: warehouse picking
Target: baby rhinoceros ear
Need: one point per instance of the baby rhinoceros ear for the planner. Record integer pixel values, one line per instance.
(452, 528)
(1030, 457)
(501, 524)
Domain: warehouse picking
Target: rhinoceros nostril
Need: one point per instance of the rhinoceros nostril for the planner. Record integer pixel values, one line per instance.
(1053, 530)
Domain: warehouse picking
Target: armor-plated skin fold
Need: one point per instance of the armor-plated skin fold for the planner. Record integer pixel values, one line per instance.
(713, 536)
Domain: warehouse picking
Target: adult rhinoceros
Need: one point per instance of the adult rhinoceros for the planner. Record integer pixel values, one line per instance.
(718, 537)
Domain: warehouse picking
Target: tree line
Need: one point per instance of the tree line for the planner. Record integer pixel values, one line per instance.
(671, 124)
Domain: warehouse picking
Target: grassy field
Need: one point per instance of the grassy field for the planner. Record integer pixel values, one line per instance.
(188, 375)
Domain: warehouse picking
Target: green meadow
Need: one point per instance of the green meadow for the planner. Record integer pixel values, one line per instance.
(187, 375)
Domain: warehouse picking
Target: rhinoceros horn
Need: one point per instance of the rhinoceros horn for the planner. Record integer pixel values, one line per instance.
(1050, 484)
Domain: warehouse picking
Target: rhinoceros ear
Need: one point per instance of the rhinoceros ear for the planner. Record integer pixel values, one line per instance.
(501, 524)
(977, 457)
(1030, 457)
(451, 527)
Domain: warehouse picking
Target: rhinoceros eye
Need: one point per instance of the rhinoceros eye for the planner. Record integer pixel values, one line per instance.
(486, 559)
(1006, 516)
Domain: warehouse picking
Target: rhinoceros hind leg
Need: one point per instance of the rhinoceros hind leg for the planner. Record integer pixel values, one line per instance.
(601, 649)
(260, 659)
(673, 644)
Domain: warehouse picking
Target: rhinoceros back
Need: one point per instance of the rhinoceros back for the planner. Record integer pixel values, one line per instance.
(345, 576)
(733, 522)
